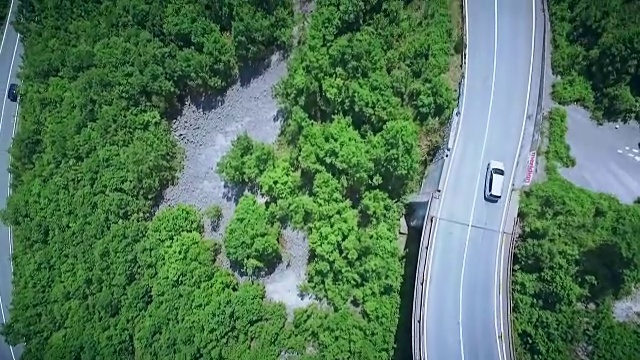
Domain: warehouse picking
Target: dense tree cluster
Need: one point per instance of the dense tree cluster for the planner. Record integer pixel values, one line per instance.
(367, 81)
(192, 309)
(246, 161)
(92, 154)
(597, 54)
(578, 251)
(97, 277)
(250, 240)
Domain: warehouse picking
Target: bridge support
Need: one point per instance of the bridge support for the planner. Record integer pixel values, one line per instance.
(416, 210)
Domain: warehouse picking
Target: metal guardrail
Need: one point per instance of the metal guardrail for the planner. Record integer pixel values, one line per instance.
(421, 274)
(512, 242)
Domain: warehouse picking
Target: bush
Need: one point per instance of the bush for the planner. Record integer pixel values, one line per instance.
(558, 151)
(246, 161)
(94, 151)
(577, 248)
(250, 241)
(214, 214)
(573, 89)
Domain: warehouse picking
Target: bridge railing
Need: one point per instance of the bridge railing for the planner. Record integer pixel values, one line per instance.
(512, 243)
(421, 276)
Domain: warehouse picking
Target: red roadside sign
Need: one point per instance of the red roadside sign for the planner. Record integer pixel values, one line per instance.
(531, 167)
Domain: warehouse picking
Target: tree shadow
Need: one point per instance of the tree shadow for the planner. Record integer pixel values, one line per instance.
(269, 269)
(233, 193)
(279, 117)
(157, 201)
(403, 331)
(160, 196)
(174, 109)
(403, 349)
(606, 265)
(207, 101)
(249, 71)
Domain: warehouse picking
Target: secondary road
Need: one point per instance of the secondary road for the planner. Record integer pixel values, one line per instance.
(10, 60)
(463, 316)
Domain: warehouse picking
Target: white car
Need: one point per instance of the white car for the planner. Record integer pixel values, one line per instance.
(494, 181)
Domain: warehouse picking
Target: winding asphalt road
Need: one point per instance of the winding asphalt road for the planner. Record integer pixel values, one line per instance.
(10, 60)
(464, 316)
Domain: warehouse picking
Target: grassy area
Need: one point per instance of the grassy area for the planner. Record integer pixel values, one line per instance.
(558, 150)
(455, 69)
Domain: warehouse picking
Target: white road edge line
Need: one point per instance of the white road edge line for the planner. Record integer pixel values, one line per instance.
(480, 172)
(13, 134)
(6, 25)
(446, 180)
(504, 212)
(13, 58)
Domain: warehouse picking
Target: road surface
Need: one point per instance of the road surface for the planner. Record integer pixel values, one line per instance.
(607, 158)
(10, 60)
(464, 318)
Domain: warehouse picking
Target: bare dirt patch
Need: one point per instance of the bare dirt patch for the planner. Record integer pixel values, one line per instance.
(628, 309)
(205, 132)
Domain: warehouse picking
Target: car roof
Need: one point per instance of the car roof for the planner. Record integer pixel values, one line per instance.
(496, 187)
(494, 164)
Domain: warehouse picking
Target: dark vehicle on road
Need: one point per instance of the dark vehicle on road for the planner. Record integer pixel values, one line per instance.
(12, 93)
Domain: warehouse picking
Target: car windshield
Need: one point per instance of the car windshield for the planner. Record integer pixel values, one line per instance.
(497, 172)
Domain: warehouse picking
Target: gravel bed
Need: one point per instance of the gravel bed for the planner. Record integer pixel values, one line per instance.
(206, 135)
(628, 309)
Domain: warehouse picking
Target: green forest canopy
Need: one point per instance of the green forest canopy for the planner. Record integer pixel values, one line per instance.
(96, 276)
(578, 252)
(251, 241)
(596, 52)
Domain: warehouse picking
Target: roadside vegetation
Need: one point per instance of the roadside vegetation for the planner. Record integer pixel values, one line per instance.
(579, 251)
(92, 277)
(98, 275)
(557, 149)
(457, 18)
(361, 89)
(595, 53)
(4, 11)
(251, 240)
